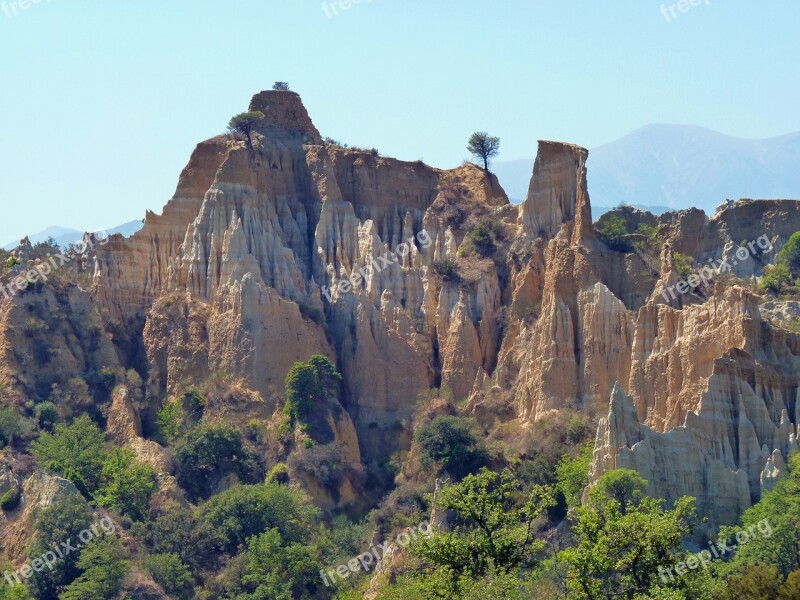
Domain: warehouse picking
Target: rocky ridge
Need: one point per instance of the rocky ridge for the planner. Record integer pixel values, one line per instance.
(292, 246)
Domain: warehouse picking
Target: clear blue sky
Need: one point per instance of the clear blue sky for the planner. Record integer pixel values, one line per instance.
(102, 102)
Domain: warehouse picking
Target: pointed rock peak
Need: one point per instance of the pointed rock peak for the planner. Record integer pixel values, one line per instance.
(557, 192)
(284, 112)
(620, 401)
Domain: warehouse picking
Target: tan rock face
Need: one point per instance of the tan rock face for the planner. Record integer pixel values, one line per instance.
(267, 255)
(124, 427)
(290, 247)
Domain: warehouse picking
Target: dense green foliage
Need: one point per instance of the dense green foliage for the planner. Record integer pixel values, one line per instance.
(47, 416)
(613, 232)
(783, 276)
(481, 239)
(623, 540)
(208, 453)
(76, 451)
(171, 574)
(245, 123)
(453, 443)
(125, 485)
(572, 475)
(247, 510)
(10, 499)
(776, 523)
(309, 384)
(58, 523)
(103, 566)
(280, 569)
(177, 530)
(12, 425)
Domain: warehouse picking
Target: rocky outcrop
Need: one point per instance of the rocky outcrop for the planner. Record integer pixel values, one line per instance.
(271, 252)
(38, 492)
(284, 245)
(124, 428)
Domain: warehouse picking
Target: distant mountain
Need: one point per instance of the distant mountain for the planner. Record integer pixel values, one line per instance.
(54, 232)
(679, 166)
(65, 236)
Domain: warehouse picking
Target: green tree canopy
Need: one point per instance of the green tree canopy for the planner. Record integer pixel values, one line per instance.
(495, 527)
(208, 453)
(484, 147)
(772, 526)
(125, 484)
(103, 565)
(243, 511)
(245, 123)
(59, 523)
(309, 384)
(452, 442)
(76, 451)
(623, 555)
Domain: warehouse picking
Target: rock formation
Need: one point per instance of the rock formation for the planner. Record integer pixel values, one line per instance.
(273, 250)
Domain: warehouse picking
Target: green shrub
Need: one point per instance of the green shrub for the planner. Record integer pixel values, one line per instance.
(453, 443)
(179, 530)
(169, 420)
(170, 573)
(243, 511)
(76, 451)
(47, 416)
(61, 521)
(125, 484)
(777, 278)
(683, 264)
(572, 475)
(10, 499)
(481, 239)
(790, 254)
(207, 454)
(613, 232)
(103, 565)
(12, 425)
(278, 474)
(309, 384)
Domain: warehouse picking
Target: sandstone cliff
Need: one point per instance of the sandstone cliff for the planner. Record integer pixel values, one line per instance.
(289, 246)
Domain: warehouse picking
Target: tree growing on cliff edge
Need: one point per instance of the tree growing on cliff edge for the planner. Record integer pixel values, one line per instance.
(308, 384)
(484, 146)
(281, 86)
(244, 123)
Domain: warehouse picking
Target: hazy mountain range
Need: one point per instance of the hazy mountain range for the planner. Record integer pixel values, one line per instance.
(657, 168)
(678, 166)
(65, 236)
